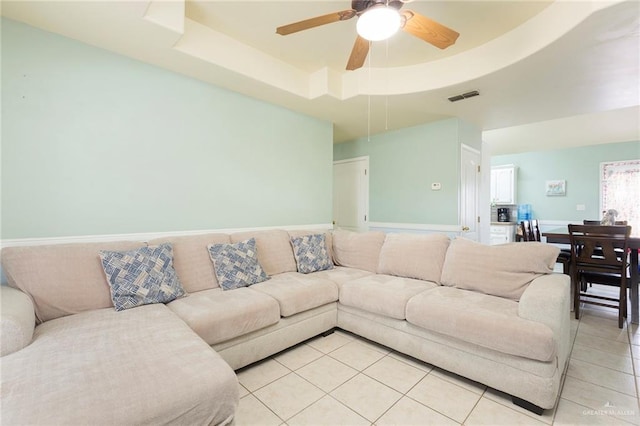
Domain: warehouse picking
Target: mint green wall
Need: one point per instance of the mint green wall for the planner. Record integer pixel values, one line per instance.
(470, 135)
(96, 143)
(404, 163)
(579, 166)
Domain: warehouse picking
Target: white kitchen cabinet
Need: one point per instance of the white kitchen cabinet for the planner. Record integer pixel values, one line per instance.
(503, 184)
(502, 234)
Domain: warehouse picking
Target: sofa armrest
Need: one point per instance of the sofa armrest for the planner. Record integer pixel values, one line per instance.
(17, 320)
(547, 300)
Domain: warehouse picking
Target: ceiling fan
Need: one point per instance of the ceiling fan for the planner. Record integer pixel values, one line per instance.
(379, 20)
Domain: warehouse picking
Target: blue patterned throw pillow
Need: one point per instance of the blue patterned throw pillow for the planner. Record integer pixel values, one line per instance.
(311, 254)
(141, 276)
(237, 265)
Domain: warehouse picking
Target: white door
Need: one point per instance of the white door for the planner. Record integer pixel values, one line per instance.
(351, 194)
(469, 192)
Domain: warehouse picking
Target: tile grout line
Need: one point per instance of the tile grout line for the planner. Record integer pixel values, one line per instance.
(406, 394)
(570, 357)
(628, 328)
(483, 394)
(585, 313)
(265, 405)
(589, 408)
(300, 411)
(325, 393)
(566, 369)
(633, 364)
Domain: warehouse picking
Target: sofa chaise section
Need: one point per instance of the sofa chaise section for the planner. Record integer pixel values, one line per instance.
(88, 364)
(101, 367)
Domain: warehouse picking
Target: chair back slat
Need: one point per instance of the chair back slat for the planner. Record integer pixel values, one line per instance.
(600, 248)
(530, 230)
(599, 222)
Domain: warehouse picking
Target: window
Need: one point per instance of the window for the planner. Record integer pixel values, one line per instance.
(620, 190)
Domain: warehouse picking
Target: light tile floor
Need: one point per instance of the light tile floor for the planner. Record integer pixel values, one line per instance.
(343, 379)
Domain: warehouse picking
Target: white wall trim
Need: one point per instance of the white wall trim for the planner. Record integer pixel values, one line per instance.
(558, 223)
(470, 148)
(414, 227)
(143, 237)
(349, 160)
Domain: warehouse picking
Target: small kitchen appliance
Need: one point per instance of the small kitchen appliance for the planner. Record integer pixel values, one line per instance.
(503, 214)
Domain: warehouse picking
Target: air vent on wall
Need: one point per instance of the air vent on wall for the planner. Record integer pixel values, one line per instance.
(457, 98)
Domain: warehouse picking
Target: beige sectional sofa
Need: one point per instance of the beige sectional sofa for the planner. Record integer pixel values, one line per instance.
(497, 315)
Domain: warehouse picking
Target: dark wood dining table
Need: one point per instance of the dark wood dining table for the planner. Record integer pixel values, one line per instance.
(561, 236)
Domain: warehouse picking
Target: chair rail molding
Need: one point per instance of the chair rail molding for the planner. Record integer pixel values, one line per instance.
(413, 227)
(143, 237)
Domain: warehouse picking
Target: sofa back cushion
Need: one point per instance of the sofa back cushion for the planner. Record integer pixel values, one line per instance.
(504, 270)
(191, 259)
(357, 250)
(61, 279)
(414, 256)
(275, 253)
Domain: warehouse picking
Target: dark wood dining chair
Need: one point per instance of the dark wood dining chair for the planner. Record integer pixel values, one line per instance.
(597, 222)
(599, 256)
(530, 231)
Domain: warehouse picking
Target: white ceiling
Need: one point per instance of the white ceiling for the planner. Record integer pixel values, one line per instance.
(550, 74)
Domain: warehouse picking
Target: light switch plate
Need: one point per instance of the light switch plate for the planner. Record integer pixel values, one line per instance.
(436, 186)
(580, 207)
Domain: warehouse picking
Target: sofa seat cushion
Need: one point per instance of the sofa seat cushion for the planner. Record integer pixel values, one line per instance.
(488, 321)
(297, 292)
(102, 367)
(342, 274)
(217, 315)
(382, 294)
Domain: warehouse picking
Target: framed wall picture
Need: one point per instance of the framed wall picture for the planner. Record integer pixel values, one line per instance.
(556, 187)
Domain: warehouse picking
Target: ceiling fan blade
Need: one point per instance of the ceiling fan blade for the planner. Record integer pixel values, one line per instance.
(429, 30)
(316, 22)
(358, 54)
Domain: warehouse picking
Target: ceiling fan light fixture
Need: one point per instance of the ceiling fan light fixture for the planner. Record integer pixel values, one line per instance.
(378, 23)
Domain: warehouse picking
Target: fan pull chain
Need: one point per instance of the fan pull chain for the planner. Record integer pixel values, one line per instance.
(386, 95)
(369, 96)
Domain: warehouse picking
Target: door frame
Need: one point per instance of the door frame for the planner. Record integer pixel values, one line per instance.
(465, 147)
(365, 159)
